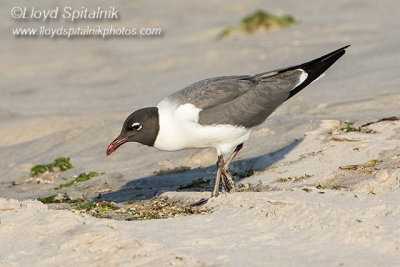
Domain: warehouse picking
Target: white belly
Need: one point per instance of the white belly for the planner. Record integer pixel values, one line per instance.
(179, 129)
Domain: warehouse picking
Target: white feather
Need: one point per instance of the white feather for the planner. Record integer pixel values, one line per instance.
(179, 129)
(302, 77)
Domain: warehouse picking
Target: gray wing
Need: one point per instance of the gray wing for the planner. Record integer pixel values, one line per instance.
(249, 100)
(267, 92)
(239, 100)
(213, 92)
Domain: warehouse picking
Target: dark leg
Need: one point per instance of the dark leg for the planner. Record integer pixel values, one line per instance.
(224, 182)
(220, 164)
(227, 182)
(231, 158)
(226, 176)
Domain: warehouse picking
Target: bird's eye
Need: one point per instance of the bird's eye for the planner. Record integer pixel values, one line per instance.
(136, 126)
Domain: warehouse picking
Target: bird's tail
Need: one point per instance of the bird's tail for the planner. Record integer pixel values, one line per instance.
(316, 68)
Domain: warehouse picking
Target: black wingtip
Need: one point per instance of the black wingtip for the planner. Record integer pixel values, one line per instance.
(343, 48)
(317, 67)
(326, 57)
(331, 54)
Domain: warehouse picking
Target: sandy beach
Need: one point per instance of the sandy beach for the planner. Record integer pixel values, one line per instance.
(318, 184)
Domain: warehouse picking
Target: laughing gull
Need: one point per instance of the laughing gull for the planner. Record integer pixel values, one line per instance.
(219, 112)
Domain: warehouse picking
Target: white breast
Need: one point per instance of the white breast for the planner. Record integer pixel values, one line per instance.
(179, 129)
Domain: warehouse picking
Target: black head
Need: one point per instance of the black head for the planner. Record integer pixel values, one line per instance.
(141, 126)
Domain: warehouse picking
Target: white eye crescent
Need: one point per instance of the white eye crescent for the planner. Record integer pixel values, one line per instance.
(136, 126)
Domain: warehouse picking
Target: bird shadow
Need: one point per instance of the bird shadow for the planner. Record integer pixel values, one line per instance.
(198, 180)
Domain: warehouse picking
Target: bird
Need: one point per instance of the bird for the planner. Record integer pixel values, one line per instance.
(219, 112)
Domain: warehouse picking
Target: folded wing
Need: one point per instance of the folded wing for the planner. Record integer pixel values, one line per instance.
(249, 100)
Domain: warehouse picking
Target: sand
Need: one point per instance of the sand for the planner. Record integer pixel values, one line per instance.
(309, 193)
